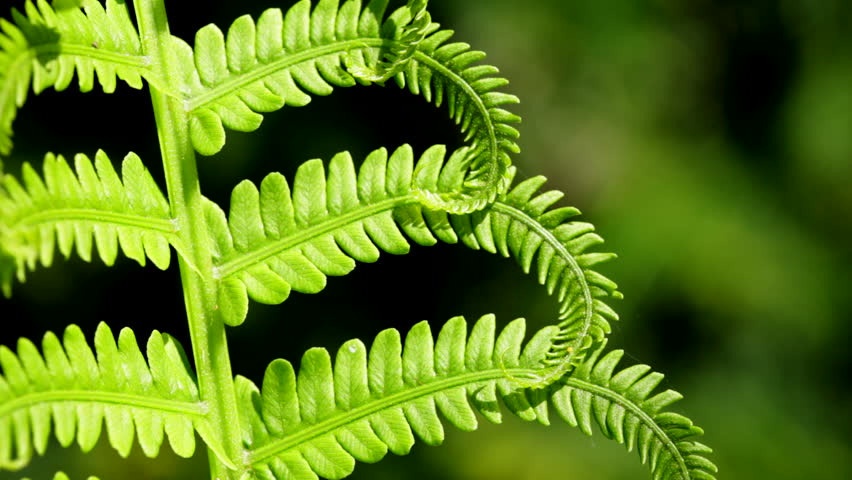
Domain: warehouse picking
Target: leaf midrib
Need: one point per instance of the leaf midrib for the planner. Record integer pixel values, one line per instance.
(635, 410)
(29, 400)
(277, 447)
(65, 215)
(94, 53)
(305, 234)
(98, 54)
(241, 80)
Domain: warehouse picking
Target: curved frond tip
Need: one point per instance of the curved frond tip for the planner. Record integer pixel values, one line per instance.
(74, 391)
(45, 46)
(625, 407)
(410, 24)
(322, 419)
(84, 207)
(282, 59)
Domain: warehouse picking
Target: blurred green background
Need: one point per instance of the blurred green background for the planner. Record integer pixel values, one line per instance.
(710, 141)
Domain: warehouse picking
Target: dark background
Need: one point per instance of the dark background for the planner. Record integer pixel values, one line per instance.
(709, 142)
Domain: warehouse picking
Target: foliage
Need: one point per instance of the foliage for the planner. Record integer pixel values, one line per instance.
(284, 237)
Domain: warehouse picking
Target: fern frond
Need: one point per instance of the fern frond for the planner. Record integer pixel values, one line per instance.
(624, 409)
(523, 225)
(282, 59)
(416, 25)
(261, 66)
(319, 421)
(451, 73)
(77, 390)
(277, 240)
(45, 46)
(71, 207)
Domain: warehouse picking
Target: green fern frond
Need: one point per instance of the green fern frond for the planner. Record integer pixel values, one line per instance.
(277, 240)
(523, 224)
(261, 66)
(74, 391)
(69, 208)
(281, 59)
(319, 421)
(416, 25)
(622, 406)
(45, 46)
(451, 73)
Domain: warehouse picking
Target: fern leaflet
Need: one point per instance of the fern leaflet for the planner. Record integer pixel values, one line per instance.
(68, 208)
(45, 47)
(319, 421)
(77, 389)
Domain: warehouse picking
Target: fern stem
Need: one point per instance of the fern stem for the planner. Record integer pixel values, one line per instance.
(207, 330)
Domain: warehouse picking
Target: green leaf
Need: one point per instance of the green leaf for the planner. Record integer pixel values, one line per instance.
(283, 59)
(233, 301)
(275, 241)
(207, 132)
(45, 46)
(85, 207)
(621, 404)
(73, 387)
(410, 25)
(322, 419)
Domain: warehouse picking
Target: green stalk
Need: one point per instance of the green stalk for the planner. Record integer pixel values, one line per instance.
(207, 330)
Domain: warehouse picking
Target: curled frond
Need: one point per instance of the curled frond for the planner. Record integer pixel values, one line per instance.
(277, 239)
(450, 73)
(322, 419)
(282, 59)
(69, 208)
(75, 391)
(45, 46)
(416, 25)
(523, 224)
